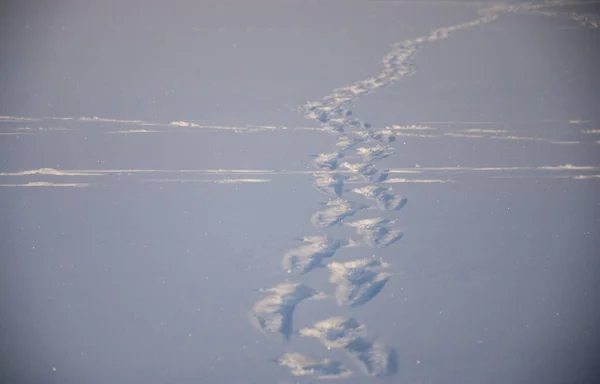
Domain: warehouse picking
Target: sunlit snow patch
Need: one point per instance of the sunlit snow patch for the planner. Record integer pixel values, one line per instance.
(334, 212)
(327, 161)
(302, 365)
(330, 184)
(347, 334)
(273, 315)
(376, 231)
(326, 110)
(311, 254)
(357, 281)
(336, 332)
(384, 197)
(339, 124)
(375, 359)
(367, 172)
(375, 153)
(346, 142)
(384, 135)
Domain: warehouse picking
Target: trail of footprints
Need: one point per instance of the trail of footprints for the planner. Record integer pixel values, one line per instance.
(359, 281)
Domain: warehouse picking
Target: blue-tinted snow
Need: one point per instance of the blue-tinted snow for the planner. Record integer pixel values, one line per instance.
(197, 176)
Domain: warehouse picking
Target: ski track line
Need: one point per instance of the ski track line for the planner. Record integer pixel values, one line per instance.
(412, 131)
(329, 182)
(358, 281)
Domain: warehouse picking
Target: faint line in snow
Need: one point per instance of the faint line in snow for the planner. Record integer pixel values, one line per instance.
(135, 131)
(17, 119)
(275, 172)
(423, 181)
(46, 184)
(213, 181)
(51, 172)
